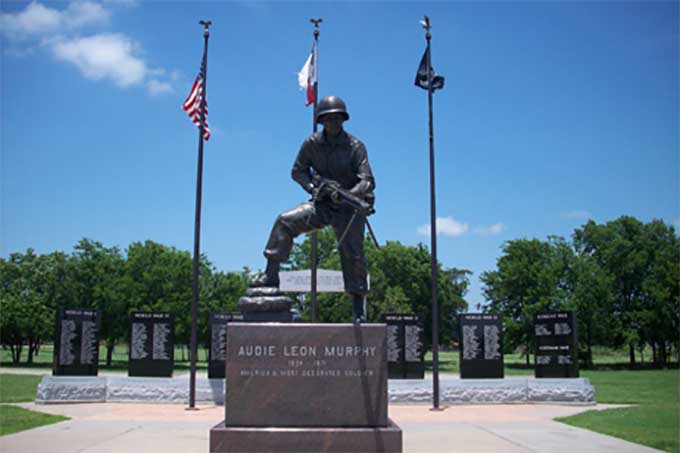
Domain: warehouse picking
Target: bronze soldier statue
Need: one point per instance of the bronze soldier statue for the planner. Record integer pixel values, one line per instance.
(333, 167)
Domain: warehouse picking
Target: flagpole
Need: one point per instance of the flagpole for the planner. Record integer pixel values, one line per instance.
(433, 231)
(314, 238)
(197, 224)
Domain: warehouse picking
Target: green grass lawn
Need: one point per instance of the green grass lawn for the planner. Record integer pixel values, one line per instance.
(14, 419)
(654, 421)
(18, 388)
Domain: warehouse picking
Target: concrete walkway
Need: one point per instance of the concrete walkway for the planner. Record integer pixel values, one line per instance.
(168, 428)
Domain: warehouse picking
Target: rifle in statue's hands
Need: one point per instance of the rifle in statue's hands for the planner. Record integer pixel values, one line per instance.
(333, 191)
(327, 188)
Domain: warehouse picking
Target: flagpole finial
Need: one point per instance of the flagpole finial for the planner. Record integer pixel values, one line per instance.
(206, 24)
(426, 25)
(316, 23)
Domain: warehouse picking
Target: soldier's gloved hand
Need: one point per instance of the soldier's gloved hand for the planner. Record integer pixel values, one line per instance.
(330, 190)
(313, 191)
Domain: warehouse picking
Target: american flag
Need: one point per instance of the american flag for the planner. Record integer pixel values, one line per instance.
(192, 105)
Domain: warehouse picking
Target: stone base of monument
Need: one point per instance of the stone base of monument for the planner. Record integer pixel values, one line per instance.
(306, 387)
(510, 390)
(265, 304)
(239, 439)
(123, 389)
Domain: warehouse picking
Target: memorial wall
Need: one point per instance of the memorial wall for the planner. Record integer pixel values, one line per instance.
(556, 345)
(405, 346)
(76, 351)
(152, 344)
(481, 346)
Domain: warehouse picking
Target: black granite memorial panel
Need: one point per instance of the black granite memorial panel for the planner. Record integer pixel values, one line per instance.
(556, 345)
(405, 346)
(152, 344)
(481, 346)
(218, 342)
(76, 351)
(306, 375)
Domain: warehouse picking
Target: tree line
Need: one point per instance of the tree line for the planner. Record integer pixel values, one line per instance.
(148, 276)
(622, 278)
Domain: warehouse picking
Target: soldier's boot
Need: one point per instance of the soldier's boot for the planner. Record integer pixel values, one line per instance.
(269, 278)
(358, 308)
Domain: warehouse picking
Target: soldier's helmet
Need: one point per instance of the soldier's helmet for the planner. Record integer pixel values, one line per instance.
(331, 104)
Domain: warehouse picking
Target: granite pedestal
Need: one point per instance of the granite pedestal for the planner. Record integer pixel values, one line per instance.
(306, 387)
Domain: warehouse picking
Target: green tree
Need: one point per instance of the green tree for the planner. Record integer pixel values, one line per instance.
(620, 248)
(160, 278)
(660, 312)
(27, 313)
(531, 277)
(592, 298)
(98, 274)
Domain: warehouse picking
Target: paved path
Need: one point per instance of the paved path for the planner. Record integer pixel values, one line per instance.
(169, 428)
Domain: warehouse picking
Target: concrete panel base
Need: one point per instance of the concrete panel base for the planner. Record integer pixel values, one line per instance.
(240, 439)
(77, 389)
(511, 390)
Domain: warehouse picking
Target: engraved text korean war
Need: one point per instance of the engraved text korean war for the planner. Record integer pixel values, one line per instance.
(556, 345)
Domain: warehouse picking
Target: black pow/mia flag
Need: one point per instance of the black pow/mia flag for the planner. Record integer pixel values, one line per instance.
(421, 75)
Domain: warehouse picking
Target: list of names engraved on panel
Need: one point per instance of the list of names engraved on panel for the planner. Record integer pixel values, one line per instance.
(470, 343)
(139, 336)
(219, 342)
(68, 334)
(562, 328)
(492, 343)
(542, 330)
(564, 360)
(413, 345)
(543, 360)
(160, 341)
(88, 343)
(393, 343)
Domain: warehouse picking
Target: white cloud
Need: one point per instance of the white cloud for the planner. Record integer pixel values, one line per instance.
(676, 222)
(38, 19)
(127, 3)
(157, 87)
(105, 56)
(578, 214)
(447, 226)
(82, 13)
(491, 230)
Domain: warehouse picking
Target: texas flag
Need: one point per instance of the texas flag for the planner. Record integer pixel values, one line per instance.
(307, 76)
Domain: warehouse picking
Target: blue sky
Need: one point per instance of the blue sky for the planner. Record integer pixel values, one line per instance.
(553, 113)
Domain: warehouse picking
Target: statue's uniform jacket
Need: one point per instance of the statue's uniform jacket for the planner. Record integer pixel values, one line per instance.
(344, 160)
